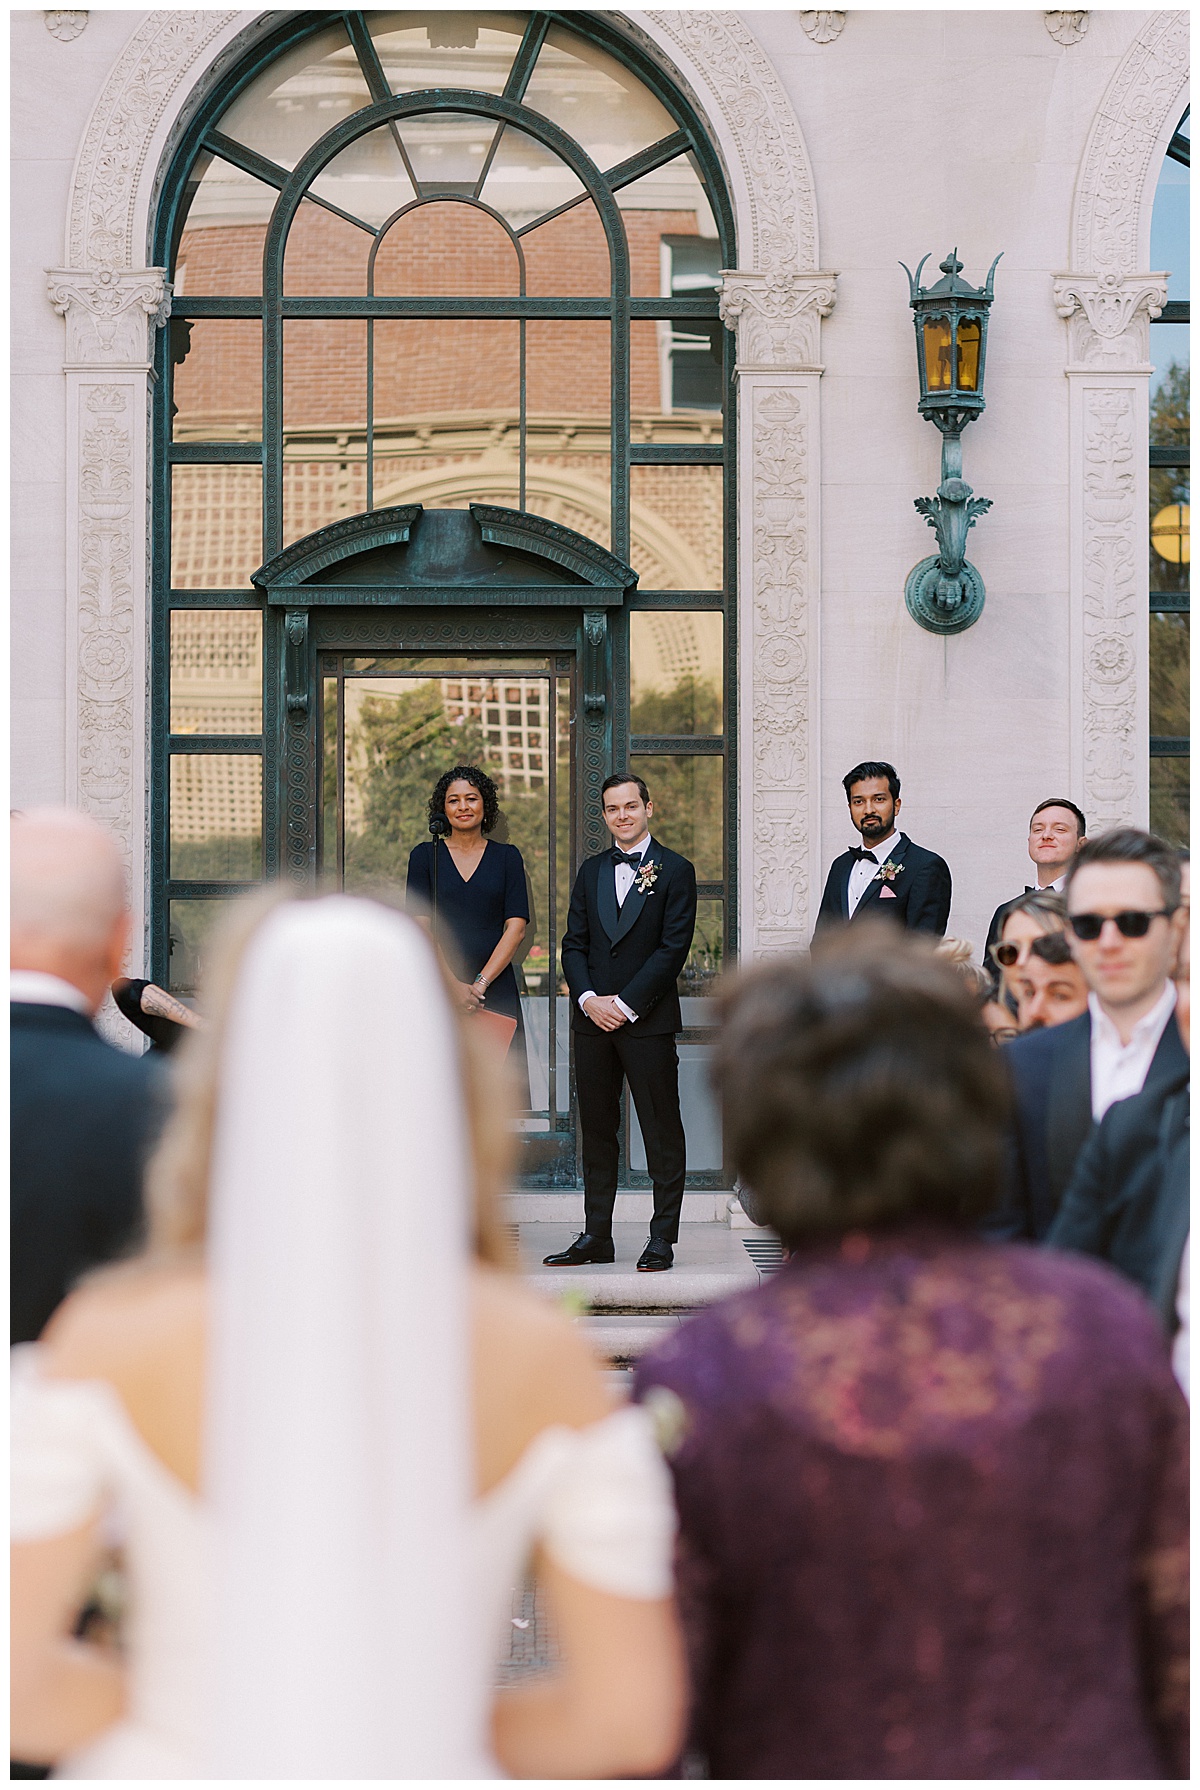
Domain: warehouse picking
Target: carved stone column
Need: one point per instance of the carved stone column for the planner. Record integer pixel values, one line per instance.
(777, 317)
(110, 315)
(1108, 319)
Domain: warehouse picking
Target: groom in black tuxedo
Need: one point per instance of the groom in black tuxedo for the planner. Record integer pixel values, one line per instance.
(629, 931)
(887, 876)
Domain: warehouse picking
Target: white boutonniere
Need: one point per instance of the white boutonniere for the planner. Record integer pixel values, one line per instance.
(887, 873)
(646, 878)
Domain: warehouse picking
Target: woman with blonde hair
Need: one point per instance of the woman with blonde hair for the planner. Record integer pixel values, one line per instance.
(331, 1432)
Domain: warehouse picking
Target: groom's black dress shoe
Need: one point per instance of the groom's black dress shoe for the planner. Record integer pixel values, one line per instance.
(585, 1248)
(655, 1257)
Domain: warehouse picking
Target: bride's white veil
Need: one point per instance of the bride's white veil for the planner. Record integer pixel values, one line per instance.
(338, 1446)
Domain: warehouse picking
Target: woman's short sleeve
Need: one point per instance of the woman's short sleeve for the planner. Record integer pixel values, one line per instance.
(609, 1519)
(60, 1468)
(516, 889)
(419, 884)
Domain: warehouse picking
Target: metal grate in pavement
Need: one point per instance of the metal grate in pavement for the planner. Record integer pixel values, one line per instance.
(765, 1252)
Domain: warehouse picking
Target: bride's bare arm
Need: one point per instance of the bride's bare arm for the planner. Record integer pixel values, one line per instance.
(615, 1706)
(64, 1691)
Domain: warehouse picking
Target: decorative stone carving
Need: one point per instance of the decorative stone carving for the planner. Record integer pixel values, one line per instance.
(760, 129)
(1116, 180)
(108, 311)
(823, 27)
(1114, 608)
(1110, 316)
(147, 75)
(108, 660)
(66, 26)
(1107, 304)
(777, 316)
(780, 504)
(1066, 28)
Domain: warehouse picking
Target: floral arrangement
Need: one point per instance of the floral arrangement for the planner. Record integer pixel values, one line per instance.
(888, 872)
(646, 878)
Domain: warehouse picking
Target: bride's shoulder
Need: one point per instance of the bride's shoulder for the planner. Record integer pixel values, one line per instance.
(533, 1369)
(137, 1311)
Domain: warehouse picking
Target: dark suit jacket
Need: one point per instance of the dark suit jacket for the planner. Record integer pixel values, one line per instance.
(1051, 1073)
(918, 898)
(636, 951)
(83, 1117)
(1127, 1201)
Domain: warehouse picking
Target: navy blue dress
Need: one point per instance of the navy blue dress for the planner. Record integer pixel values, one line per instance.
(473, 913)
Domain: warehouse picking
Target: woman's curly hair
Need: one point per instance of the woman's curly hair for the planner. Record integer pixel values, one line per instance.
(470, 773)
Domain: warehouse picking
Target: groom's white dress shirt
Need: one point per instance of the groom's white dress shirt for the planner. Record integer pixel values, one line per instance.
(863, 871)
(624, 873)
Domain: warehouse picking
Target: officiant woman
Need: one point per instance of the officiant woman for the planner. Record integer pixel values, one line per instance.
(480, 907)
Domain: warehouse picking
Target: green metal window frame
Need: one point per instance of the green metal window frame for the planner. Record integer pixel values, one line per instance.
(197, 134)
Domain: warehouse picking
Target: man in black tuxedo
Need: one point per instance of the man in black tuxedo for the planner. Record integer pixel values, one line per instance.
(1124, 926)
(887, 876)
(629, 931)
(1057, 831)
(83, 1114)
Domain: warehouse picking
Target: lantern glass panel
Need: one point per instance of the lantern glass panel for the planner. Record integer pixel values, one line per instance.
(969, 341)
(939, 357)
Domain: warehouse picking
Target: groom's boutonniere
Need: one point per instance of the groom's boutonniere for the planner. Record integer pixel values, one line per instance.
(888, 872)
(646, 878)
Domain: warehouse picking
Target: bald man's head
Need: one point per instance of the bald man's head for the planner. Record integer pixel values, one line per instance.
(69, 914)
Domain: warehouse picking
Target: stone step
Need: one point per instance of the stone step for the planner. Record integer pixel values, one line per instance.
(625, 1313)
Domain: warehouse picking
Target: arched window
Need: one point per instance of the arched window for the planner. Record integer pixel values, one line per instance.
(1170, 479)
(438, 259)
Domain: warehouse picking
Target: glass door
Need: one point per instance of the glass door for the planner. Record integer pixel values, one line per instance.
(390, 726)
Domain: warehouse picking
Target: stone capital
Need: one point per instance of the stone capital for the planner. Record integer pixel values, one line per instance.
(777, 317)
(110, 312)
(1108, 316)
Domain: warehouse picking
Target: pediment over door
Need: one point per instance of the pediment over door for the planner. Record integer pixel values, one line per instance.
(410, 555)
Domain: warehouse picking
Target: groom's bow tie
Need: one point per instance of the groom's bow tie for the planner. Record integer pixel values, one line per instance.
(632, 858)
(860, 851)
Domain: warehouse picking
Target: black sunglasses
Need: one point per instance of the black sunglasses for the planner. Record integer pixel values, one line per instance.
(1133, 924)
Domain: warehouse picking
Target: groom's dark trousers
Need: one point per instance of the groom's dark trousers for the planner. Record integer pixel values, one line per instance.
(636, 952)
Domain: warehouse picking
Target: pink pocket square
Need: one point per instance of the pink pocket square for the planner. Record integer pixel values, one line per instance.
(886, 894)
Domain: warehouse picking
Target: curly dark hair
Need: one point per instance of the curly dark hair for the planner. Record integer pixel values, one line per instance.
(860, 1088)
(470, 773)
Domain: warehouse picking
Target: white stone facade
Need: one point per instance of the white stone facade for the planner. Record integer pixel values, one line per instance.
(851, 142)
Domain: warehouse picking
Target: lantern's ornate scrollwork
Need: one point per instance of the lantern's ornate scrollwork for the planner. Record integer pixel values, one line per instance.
(944, 593)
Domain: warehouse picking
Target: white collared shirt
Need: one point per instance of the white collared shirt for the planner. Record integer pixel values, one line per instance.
(37, 988)
(624, 875)
(862, 871)
(1119, 1070)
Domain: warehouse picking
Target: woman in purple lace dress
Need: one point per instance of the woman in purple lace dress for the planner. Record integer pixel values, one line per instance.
(932, 1490)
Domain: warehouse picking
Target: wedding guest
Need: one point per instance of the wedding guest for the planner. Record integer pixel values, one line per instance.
(1128, 1201)
(999, 1023)
(629, 931)
(153, 1011)
(1025, 919)
(1057, 830)
(479, 901)
(887, 876)
(932, 1492)
(83, 1114)
(333, 1431)
(1124, 930)
(1050, 985)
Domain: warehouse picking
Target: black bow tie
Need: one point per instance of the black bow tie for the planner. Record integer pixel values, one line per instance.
(632, 858)
(860, 851)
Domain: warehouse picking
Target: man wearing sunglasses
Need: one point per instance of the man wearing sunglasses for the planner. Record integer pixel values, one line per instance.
(1123, 924)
